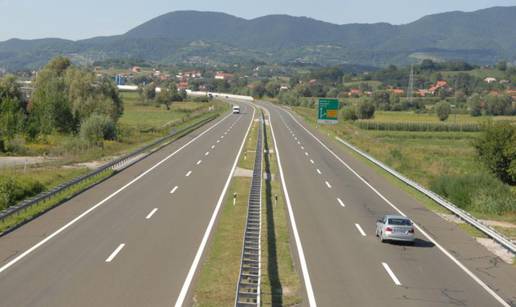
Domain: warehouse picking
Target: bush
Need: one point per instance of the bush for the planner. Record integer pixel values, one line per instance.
(365, 110)
(481, 192)
(97, 128)
(496, 148)
(201, 99)
(13, 190)
(443, 110)
(348, 113)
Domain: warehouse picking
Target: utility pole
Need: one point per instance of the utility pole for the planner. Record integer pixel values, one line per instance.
(410, 89)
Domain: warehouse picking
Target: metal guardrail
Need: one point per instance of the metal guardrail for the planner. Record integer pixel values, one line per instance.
(468, 218)
(248, 288)
(115, 165)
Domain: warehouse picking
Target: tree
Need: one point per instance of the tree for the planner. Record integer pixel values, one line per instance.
(496, 148)
(502, 65)
(382, 100)
(98, 127)
(475, 105)
(365, 109)
(149, 92)
(499, 105)
(443, 110)
(65, 95)
(349, 113)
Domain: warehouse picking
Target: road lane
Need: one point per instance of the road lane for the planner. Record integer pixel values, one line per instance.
(346, 268)
(70, 269)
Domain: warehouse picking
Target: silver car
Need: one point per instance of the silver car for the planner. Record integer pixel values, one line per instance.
(395, 228)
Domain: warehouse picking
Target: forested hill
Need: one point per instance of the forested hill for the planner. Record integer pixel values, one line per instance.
(481, 37)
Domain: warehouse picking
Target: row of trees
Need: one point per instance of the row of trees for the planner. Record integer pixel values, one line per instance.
(167, 95)
(63, 98)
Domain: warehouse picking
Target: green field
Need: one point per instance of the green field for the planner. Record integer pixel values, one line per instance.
(435, 160)
(385, 116)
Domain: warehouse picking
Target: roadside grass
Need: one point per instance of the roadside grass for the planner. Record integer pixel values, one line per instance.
(36, 210)
(280, 284)
(421, 156)
(218, 276)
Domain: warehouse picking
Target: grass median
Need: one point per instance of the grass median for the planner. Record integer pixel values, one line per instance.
(280, 284)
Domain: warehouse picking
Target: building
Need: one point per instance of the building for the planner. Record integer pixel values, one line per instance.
(355, 92)
(422, 92)
(441, 84)
(183, 85)
(220, 75)
(136, 69)
(490, 80)
(398, 91)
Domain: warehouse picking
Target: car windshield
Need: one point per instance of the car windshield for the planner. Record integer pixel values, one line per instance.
(400, 222)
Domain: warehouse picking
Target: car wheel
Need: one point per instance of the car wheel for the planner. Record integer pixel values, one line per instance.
(381, 238)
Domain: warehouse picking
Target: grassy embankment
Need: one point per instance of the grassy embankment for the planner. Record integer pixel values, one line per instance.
(442, 161)
(140, 124)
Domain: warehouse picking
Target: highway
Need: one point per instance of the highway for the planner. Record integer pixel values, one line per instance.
(137, 239)
(335, 201)
(133, 240)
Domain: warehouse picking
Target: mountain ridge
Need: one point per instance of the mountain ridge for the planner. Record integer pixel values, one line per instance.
(197, 37)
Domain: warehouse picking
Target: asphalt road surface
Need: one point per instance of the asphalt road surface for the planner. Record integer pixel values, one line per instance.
(346, 265)
(136, 248)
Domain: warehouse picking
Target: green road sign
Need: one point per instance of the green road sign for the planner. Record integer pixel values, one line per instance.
(328, 111)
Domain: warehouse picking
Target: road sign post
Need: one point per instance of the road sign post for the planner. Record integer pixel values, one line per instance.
(328, 110)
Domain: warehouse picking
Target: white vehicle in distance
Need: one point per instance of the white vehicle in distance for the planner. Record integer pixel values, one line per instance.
(236, 110)
(395, 228)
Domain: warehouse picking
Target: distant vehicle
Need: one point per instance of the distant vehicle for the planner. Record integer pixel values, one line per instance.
(395, 228)
(236, 110)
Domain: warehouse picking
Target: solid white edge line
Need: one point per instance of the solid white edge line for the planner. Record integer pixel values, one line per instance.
(391, 274)
(299, 246)
(341, 202)
(174, 190)
(115, 252)
(151, 213)
(75, 220)
(193, 268)
(424, 233)
(360, 230)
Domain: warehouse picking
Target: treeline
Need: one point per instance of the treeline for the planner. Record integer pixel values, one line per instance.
(168, 94)
(65, 99)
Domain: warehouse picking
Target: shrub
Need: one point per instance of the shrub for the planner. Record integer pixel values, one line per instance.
(348, 113)
(496, 148)
(443, 110)
(13, 190)
(365, 110)
(480, 192)
(97, 128)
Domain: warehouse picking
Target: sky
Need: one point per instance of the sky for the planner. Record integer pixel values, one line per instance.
(72, 19)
